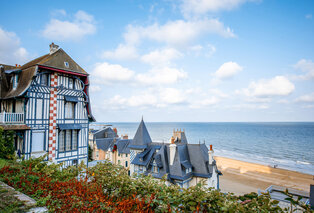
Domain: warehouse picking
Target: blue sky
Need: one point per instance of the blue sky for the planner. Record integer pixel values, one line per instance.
(177, 60)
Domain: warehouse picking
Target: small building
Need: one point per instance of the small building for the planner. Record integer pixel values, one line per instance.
(46, 103)
(184, 164)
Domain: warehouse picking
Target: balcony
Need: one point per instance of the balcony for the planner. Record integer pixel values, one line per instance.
(11, 118)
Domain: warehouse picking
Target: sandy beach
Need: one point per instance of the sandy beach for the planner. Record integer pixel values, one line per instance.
(242, 177)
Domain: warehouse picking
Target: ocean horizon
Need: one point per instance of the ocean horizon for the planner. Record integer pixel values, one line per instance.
(288, 145)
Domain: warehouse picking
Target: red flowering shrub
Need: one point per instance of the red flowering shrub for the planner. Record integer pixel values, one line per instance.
(108, 188)
(70, 195)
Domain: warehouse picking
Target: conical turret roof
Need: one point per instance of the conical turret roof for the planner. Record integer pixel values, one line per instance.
(141, 138)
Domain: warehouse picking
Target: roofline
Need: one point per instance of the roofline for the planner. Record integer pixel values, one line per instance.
(61, 70)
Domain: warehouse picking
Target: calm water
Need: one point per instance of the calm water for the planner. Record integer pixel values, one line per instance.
(288, 145)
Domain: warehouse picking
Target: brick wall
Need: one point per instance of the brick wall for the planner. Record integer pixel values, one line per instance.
(53, 117)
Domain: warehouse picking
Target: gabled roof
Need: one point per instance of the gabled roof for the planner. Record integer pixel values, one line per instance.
(105, 143)
(122, 146)
(142, 138)
(24, 81)
(56, 60)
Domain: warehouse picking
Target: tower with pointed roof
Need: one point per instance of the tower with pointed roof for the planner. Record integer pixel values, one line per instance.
(139, 143)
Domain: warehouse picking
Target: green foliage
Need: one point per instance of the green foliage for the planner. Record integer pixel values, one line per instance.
(114, 182)
(6, 144)
(90, 153)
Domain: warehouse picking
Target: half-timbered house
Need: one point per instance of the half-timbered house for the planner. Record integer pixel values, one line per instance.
(46, 102)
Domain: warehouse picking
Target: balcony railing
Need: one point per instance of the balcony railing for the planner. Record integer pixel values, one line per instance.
(11, 118)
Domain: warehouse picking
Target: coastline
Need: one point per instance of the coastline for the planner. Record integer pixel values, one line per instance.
(242, 177)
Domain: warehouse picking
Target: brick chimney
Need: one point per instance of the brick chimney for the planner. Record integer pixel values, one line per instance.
(53, 48)
(115, 130)
(211, 154)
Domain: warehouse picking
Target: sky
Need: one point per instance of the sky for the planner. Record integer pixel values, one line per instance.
(176, 60)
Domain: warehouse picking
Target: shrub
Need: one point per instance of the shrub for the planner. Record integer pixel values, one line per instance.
(6, 144)
(108, 188)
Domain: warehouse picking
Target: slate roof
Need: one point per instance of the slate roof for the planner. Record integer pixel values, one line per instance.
(106, 132)
(187, 156)
(105, 143)
(122, 146)
(142, 138)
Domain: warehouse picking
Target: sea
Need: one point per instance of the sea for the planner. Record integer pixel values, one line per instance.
(287, 145)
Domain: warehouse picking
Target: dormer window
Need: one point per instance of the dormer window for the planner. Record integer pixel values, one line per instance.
(66, 64)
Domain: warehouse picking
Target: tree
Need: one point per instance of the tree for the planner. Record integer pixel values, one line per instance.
(6, 144)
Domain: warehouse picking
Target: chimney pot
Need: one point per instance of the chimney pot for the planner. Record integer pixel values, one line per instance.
(211, 147)
(53, 48)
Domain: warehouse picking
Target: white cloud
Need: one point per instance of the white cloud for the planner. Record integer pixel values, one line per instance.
(283, 101)
(82, 24)
(164, 75)
(249, 106)
(277, 86)
(122, 52)
(156, 98)
(111, 73)
(172, 96)
(58, 12)
(228, 70)
(306, 98)
(95, 88)
(161, 57)
(11, 51)
(201, 103)
(200, 7)
(308, 16)
(306, 66)
(178, 33)
(218, 93)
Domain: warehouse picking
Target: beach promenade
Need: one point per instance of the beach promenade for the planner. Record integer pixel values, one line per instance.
(242, 177)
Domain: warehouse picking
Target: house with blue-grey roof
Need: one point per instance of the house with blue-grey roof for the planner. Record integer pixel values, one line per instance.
(182, 163)
(107, 145)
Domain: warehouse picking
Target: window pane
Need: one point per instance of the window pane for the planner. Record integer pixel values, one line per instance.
(68, 140)
(38, 141)
(70, 83)
(69, 110)
(74, 139)
(44, 79)
(61, 141)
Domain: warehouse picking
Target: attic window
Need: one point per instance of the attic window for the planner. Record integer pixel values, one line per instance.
(66, 64)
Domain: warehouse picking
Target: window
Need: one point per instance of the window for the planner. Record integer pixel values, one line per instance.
(71, 83)
(38, 138)
(69, 110)
(66, 64)
(68, 140)
(44, 79)
(126, 163)
(119, 154)
(126, 155)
